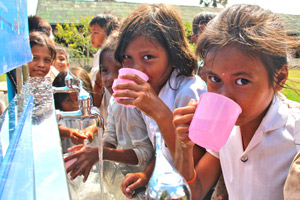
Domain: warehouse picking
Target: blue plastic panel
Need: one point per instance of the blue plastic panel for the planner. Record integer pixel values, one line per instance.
(15, 49)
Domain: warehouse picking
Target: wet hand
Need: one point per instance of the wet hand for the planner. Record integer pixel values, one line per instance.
(77, 136)
(85, 156)
(90, 131)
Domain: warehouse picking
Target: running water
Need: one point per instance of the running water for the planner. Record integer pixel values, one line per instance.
(100, 151)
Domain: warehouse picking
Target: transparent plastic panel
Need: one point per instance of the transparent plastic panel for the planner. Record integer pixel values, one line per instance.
(16, 170)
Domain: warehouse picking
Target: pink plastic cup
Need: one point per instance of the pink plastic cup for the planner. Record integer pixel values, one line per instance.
(213, 120)
(123, 71)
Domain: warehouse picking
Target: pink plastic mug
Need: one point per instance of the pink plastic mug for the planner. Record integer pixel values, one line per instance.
(120, 80)
(213, 120)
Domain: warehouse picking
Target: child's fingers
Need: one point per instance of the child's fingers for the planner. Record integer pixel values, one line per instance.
(87, 172)
(79, 134)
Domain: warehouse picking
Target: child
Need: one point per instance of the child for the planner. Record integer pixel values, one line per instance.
(101, 27)
(152, 40)
(199, 23)
(70, 130)
(38, 24)
(62, 58)
(43, 51)
(245, 59)
(125, 137)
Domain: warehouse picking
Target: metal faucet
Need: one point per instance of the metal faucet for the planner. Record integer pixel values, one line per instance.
(85, 103)
(70, 86)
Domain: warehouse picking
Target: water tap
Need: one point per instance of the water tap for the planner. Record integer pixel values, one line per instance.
(85, 111)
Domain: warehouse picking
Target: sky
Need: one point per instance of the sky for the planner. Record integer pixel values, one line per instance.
(278, 6)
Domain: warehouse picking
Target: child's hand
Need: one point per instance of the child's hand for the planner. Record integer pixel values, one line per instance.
(133, 181)
(90, 131)
(86, 157)
(77, 136)
(141, 94)
(182, 118)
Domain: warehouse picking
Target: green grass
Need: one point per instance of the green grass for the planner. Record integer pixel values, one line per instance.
(294, 83)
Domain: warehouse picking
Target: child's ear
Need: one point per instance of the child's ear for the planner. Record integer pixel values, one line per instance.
(282, 76)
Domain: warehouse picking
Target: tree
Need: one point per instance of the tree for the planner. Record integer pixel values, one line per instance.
(76, 38)
(214, 3)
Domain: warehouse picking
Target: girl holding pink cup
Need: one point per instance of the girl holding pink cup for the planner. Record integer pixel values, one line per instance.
(244, 50)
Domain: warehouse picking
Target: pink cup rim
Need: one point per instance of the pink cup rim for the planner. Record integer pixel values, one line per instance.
(219, 95)
(133, 71)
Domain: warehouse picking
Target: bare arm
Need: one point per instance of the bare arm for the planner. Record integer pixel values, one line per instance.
(126, 156)
(208, 168)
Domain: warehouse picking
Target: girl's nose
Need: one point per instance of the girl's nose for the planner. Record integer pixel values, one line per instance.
(225, 92)
(137, 66)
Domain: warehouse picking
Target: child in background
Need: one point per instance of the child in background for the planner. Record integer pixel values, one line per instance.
(70, 130)
(199, 23)
(245, 58)
(125, 137)
(152, 40)
(101, 27)
(43, 52)
(38, 24)
(61, 62)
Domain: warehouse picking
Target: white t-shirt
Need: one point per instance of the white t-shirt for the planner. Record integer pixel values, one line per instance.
(126, 129)
(178, 95)
(259, 171)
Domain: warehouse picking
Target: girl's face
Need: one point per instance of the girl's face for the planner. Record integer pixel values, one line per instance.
(109, 69)
(41, 62)
(243, 79)
(97, 35)
(149, 57)
(61, 61)
(70, 103)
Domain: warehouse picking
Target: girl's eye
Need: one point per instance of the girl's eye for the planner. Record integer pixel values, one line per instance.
(214, 79)
(126, 56)
(47, 60)
(147, 57)
(104, 70)
(242, 81)
(35, 58)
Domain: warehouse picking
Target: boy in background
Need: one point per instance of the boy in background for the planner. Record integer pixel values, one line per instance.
(61, 62)
(101, 27)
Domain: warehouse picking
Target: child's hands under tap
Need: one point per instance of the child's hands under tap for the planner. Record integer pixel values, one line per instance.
(86, 157)
(77, 136)
(90, 131)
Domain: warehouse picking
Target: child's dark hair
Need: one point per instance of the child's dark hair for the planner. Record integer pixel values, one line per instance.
(36, 23)
(39, 38)
(257, 32)
(64, 50)
(106, 21)
(201, 18)
(162, 24)
(79, 74)
(110, 44)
